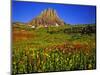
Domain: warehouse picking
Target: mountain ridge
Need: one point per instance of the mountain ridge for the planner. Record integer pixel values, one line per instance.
(47, 17)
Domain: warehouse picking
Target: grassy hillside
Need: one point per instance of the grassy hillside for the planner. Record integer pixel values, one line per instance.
(53, 49)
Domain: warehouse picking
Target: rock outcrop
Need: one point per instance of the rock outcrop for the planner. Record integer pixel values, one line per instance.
(48, 17)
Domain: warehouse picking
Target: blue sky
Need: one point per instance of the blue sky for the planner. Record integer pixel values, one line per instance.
(71, 14)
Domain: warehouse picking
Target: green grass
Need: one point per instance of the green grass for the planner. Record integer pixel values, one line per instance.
(53, 50)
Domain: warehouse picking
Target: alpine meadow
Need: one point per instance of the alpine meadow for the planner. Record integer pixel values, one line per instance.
(47, 43)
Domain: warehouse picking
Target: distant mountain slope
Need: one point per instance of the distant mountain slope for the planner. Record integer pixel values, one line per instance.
(48, 17)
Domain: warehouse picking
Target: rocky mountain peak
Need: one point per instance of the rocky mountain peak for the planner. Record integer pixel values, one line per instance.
(48, 17)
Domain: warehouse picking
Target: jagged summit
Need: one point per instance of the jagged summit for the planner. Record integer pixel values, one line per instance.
(48, 17)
